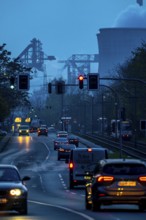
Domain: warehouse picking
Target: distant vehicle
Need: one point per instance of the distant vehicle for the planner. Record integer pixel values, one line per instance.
(117, 181)
(13, 192)
(51, 130)
(60, 141)
(62, 134)
(83, 160)
(73, 140)
(122, 128)
(23, 130)
(33, 129)
(44, 126)
(65, 150)
(42, 131)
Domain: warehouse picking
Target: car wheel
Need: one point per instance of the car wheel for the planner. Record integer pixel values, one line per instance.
(23, 210)
(95, 206)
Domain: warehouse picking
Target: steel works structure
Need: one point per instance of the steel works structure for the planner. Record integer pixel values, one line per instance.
(33, 56)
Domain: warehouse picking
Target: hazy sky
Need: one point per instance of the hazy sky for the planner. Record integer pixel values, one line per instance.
(64, 27)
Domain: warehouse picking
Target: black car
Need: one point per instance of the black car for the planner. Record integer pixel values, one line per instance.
(13, 192)
(42, 131)
(65, 150)
(73, 140)
(60, 141)
(116, 181)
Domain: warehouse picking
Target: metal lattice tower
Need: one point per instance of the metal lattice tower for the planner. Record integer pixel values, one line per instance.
(78, 64)
(33, 57)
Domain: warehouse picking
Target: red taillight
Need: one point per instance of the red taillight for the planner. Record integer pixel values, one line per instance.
(71, 166)
(89, 149)
(142, 179)
(105, 179)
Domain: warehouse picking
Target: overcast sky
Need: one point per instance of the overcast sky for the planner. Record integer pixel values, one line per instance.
(64, 27)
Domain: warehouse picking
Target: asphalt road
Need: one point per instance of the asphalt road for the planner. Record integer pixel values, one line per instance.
(49, 195)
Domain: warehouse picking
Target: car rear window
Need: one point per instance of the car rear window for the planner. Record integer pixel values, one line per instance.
(125, 169)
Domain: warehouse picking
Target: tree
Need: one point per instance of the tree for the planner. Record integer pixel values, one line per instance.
(132, 93)
(11, 97)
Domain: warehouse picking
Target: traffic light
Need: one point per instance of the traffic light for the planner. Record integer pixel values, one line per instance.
(60, 87)
(81, 81)
(12, 82)
(23, 82)
(49, 87)
(93, 81)
(142, 125)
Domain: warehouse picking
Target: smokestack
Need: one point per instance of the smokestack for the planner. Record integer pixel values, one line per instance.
(140, 2)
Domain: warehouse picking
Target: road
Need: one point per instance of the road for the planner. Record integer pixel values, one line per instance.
(49, 195)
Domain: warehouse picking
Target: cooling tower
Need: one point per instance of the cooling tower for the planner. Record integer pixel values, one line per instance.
(115, 47)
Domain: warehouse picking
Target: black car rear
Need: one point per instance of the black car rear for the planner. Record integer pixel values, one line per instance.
(117, 181)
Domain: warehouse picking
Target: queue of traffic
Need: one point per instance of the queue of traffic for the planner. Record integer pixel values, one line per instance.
(106, 181)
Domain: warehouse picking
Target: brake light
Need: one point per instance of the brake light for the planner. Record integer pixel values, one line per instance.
(105, 179)
(142, 179)
(89, 149)
(71, 166)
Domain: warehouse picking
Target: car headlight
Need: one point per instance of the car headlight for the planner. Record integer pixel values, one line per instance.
(15, 192)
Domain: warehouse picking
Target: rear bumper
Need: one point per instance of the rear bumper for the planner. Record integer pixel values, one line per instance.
(109, 200)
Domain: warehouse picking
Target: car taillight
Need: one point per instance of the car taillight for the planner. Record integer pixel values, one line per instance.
(71, 165)
(105, 179)
(142, 179)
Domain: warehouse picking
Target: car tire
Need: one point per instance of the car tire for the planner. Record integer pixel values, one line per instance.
(24, 209)
(95, 206)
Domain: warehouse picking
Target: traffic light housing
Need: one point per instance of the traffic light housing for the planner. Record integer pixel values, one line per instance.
(60, 87)
(49, 87)
(93, 81)
(81, 81)
(12, 82)
(23, 82)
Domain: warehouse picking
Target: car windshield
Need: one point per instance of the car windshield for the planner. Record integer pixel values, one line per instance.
(24, 127)
(125, 169)
(9, 174)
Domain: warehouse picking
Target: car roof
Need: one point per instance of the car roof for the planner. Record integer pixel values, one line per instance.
(93, 148)
(62, 132)
(8, 166)
(61, 138)
(122, 160)
(73, 146)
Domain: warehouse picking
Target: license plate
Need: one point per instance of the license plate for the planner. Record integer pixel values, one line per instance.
(3, 201)
(127, 183)
(87, 177)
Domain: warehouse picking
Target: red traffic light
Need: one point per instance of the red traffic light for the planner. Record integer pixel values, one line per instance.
(80, 77)
(81, 80)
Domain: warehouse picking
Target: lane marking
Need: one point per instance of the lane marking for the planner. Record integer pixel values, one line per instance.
(65, 186)
(64, 208)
